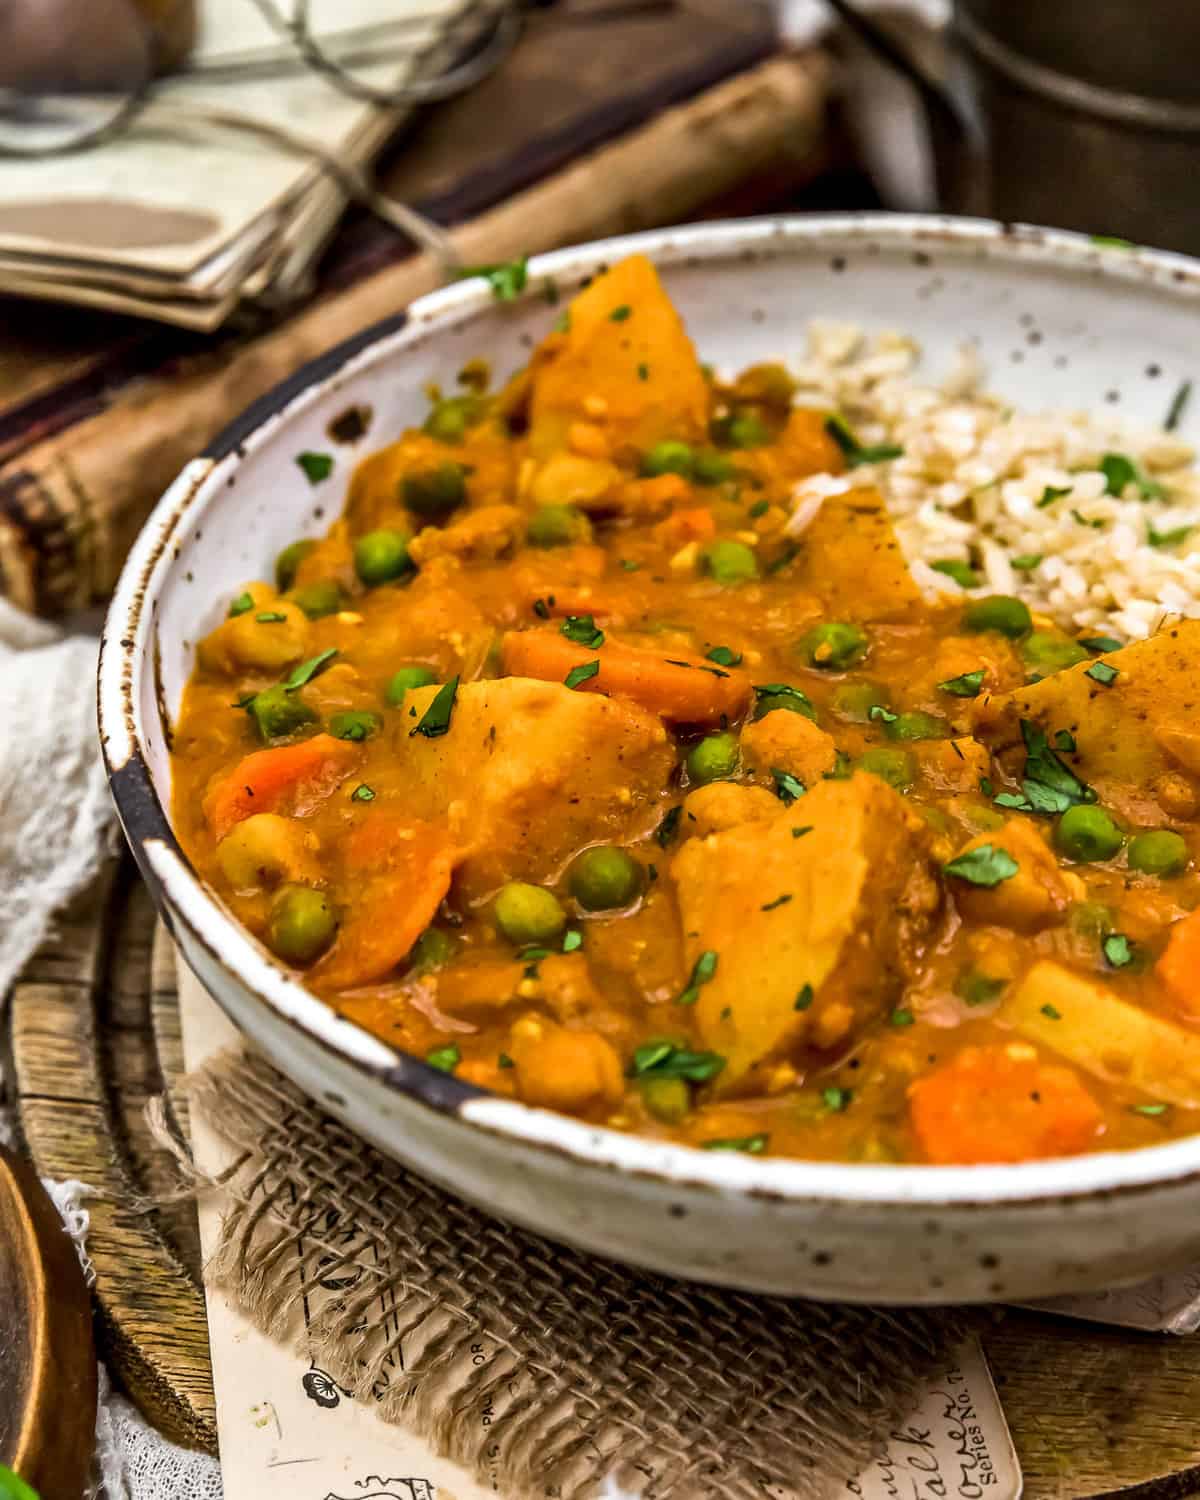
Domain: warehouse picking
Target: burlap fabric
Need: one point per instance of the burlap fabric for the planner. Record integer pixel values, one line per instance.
(588, 1370)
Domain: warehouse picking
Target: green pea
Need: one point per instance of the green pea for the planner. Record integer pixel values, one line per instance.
(277, 713)
(301, 924)
(381, 556)
(667, 1099)
(730, 563)
(916, 726)
(711, 467)
(978, 988)
(433, 494)
(528, 913)
(1046, 651)
(793, 703)
(1085, 833)
(896, 767)
(318, 599)
(1159, 851)
(449, 419)
(670, 458)
(834, 646)
(1091, 919)
(288, 561)
(605, 878)
(557, 526)
(404, 680)
(433, 950)
(855, 700)
(714, 758)
(354, 724)
(740, 429)
(999, 612)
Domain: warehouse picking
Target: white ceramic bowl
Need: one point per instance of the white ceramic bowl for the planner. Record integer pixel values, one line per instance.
(1059, 320)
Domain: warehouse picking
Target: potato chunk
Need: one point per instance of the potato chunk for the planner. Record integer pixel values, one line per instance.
(1128, 731)
(807, 927)
(788, 742)
(1083, 1021)
(529, 772)
(590, 372)
(850, 559)
(1039, 892)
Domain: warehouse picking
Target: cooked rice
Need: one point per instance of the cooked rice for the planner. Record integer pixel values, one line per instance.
(974, 468)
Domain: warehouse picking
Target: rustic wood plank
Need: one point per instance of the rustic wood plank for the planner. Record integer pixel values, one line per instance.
(48, 1390)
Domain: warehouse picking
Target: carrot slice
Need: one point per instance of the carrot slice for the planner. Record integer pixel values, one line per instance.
(1001, 1103)
(682, 689)
(287, 778)
(1179, 966)
(398, 872)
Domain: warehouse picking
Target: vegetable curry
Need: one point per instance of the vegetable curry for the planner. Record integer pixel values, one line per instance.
(580, 760)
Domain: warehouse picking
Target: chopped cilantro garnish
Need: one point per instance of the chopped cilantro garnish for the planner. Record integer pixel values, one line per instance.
(985, 865)
(541, 609)
(1178, 405)
(1026, 562)
(978, 988)
(724, 657)
(666, 1060)
(985, 786)
(1170, 538)
(962, 573)
(1149, 1109)
(1083, 520)
(240, 605)
(583, 631)
(1099, 643)
(533, 955)
(702, 971)
(504, 1061)
(1052, 493)
(363, 793)
(316, 466)
(629, 565)
(1120, 471)
(435, 721)
(270, 617)
(967, 685)
(755, 1145)
(506, 278)
(798, 833)
(853, 451)
(665, 833)
(444, 1059)
(883, 715)
(1051, 1012)
(1112, 242)
(759, 508)
(902, 1017)
(787, 786)
(307, 670)
(778, 901)
(581, 673)
(1118, 950)
(619, 314)
(1048, 784)
(805, 998)
(572, 939)
(1101, 672)
(643, 372)
(837, 1100)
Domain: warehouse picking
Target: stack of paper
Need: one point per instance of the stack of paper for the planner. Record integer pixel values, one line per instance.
(181, 218)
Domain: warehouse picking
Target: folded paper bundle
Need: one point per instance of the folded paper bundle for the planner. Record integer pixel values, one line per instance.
(216, 184)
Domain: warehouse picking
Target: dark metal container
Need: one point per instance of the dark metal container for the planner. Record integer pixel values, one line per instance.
(1085, 113)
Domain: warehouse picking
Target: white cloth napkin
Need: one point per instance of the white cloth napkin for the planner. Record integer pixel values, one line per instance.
(56, 827)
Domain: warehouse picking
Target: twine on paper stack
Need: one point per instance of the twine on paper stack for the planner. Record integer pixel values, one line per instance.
(587, 1370)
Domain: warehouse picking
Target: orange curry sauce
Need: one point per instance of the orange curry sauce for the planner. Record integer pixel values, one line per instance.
(560, 762)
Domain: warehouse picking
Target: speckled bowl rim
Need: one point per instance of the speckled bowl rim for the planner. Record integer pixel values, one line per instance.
(126, 655)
